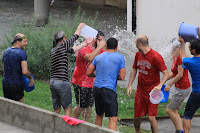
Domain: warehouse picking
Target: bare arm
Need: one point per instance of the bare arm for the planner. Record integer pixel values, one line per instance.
(78, 30)
(90, 71)
(26, 73)
(78, 47)
(90, 57)
(131, 79)
(176, 78)
(122, 74)
(163, 80)
(183, 54)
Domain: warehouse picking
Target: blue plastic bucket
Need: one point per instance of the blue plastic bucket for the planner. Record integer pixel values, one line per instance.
(166, 95)
(26, 83)
(188, 32)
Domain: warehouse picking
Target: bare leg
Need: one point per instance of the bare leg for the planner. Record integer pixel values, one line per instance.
(154, 124)
(21, 100)
(77, 111)
(175, 118)
(186, 125)
(68, 111)
(86, 113)
(99, 119)
(137, 123)
(113, 123)
(57, 110)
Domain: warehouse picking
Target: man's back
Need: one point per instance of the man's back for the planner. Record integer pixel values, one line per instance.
(192, 64)
(12, 65)
(107, 69)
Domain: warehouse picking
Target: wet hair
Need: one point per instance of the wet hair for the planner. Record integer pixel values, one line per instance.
(143, 40)
(18, 38)
(175, 44)
(100, 33)
(112, 43)
(58, 36)
(195, 44)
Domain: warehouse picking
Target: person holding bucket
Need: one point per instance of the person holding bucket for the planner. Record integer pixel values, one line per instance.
(192, 64)
(15, 64)
(59, 81)
(149, 63)
(182, 87)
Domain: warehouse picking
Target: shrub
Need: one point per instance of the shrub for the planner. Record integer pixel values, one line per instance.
(40, 40)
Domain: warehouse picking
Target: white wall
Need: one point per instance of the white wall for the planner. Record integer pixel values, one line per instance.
(160, 19)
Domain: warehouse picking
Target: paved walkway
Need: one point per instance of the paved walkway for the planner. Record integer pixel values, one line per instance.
(5, 128)
(166, 126)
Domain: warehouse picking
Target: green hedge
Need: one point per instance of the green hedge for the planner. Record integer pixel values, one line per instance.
(40, 40)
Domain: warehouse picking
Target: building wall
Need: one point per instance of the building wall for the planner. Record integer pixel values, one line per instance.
(160, 19)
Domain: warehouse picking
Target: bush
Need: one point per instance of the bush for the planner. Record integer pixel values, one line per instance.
(40, 40)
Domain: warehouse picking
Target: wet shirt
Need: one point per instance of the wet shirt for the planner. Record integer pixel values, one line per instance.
(12, 59)
(107, 67)
(59, 59)
(184, 82)
(192, 64)
(149, 65)
(79, 76)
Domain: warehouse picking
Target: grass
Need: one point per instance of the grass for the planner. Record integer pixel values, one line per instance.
(41, 97)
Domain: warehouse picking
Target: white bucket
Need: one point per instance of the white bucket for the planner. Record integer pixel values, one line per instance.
(156, 96)
(88, 32)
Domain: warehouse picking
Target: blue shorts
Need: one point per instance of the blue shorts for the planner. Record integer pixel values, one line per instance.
(61, 93)
(105, 102)
(192, 105)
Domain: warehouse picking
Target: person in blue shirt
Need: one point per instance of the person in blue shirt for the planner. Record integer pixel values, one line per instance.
(192, 64)
(15, 64)
(110, 67)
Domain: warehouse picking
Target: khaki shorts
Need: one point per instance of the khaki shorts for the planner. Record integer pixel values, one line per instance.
(178, 97)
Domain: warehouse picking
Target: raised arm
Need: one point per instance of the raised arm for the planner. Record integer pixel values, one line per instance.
(90, 57)
(183, 54)
(131, 79)
(78, 30)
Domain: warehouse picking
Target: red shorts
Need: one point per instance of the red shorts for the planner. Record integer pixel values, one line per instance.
(143, 106)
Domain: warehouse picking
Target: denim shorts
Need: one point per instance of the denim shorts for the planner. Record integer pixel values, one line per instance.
(61, 93)
(105, 102)
(178, 97)
(192, 105)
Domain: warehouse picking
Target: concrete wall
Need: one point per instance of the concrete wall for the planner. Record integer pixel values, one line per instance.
(160, 19)
(118, 3)
(41, 121)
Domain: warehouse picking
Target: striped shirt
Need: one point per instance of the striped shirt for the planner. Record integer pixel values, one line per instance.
(59, 59)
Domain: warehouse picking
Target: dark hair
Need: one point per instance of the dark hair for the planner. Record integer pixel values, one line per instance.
(112, 43)
(100, 33)
(58, 36)
(195, 44)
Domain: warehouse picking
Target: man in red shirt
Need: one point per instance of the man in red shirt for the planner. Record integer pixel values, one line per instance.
(83, 85)
(149, 63)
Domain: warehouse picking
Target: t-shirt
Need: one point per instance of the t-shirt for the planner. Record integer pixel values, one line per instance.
(192, 64)
(149, 66)
(79, 76)
(108, 66)
(59, 59)
(12, 59)
(184, 82)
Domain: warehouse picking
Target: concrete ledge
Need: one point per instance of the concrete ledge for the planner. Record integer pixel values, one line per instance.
(41, 121)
